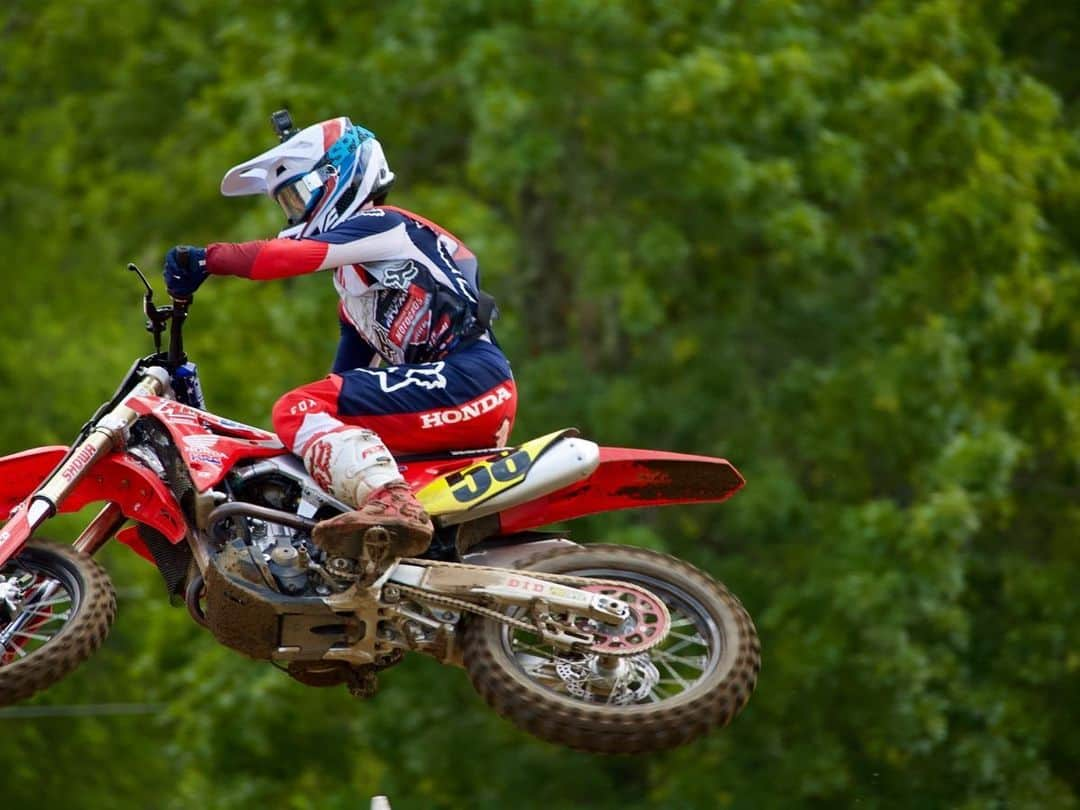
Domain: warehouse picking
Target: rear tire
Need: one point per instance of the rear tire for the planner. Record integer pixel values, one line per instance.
(36, 651)
(566, 708)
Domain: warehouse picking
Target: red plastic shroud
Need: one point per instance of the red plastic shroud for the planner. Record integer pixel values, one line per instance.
(210, 445)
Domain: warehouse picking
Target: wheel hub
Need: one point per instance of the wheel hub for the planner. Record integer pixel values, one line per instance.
(10, 599)
(28, 615)
(627, 680)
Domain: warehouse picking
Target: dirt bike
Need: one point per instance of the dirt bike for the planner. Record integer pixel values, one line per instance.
(603, 648)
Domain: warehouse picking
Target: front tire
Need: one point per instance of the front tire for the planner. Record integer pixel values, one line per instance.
(57, 609)
(699, 678)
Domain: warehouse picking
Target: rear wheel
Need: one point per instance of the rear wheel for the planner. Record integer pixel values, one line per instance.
(698, 678)
(56, 608)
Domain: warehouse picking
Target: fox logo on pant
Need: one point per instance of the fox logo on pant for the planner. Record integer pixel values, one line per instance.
(429, 377)
(470, 410)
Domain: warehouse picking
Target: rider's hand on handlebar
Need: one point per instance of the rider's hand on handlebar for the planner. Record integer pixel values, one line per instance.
(185, 270)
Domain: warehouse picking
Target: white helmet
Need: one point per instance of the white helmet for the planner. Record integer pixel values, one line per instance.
(318, 176)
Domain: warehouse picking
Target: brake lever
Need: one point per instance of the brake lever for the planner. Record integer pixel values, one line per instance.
(155, 316)
(149, 298)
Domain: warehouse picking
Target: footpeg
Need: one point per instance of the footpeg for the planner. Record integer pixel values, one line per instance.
(374, 550)
(391, 510)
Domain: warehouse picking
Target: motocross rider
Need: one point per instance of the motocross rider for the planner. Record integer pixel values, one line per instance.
(417, 369)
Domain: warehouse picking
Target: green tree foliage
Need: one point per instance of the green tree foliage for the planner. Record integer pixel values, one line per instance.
(836, 242)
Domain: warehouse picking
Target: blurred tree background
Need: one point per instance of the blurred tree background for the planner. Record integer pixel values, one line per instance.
(837, 242)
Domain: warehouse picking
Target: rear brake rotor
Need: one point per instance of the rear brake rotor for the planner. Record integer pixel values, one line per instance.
(630, 681)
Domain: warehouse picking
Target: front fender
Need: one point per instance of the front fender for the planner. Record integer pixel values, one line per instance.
(117, 477)
(627, 478)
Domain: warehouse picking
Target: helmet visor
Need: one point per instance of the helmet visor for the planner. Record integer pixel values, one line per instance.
(299, 196)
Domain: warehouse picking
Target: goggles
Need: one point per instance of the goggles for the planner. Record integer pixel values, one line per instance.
(299, 196)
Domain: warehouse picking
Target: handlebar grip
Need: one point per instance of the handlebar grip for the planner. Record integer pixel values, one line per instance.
(183, 258)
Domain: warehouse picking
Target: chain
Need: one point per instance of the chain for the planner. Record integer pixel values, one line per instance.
(565, 579)
(421, 595)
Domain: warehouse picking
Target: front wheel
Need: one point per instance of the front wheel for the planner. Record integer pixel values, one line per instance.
(56, 608)
(698, 678)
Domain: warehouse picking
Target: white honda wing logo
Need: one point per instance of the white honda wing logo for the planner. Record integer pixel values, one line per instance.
(428, 377)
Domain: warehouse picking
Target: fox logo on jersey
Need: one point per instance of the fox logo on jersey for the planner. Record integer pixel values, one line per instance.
(397, 274)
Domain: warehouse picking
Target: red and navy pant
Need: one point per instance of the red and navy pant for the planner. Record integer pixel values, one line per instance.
(465, 401)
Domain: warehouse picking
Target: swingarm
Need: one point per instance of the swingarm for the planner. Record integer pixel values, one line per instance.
(556, 608)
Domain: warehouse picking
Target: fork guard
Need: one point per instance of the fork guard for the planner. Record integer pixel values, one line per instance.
(116, 478)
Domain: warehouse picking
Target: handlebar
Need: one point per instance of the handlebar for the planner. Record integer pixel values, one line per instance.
(158, 319)
(176, 330)
(171, 317)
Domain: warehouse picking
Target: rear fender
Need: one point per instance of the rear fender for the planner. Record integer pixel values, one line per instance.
(117, 478)
(627, 479)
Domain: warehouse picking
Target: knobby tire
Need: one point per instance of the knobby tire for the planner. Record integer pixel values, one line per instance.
(712, 702)
(94, 609)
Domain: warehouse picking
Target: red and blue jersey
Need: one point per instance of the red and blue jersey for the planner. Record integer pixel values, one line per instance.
(408, 288)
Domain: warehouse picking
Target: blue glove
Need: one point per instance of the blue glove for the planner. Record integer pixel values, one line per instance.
(185, 270)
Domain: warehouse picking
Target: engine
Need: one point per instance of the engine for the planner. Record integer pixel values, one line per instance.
(287, 555)
(257, 540)
(261, 526)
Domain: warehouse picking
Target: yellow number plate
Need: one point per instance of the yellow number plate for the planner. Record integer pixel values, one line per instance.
(465, 488)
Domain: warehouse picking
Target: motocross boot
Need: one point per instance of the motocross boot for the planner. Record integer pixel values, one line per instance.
(355, 466)
(392, 507)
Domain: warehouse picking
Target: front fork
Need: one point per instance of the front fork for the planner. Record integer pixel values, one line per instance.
(107, 433)
(105, 524)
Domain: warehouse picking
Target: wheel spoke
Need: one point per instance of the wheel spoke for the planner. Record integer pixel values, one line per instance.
(48, 615)
(38, 613)
(678, 678)
(674, 648)
(698, 662)
(59, 600)
(692, 639)
(14, 647)
(34, 636)
(549, 679)
(537, 667)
